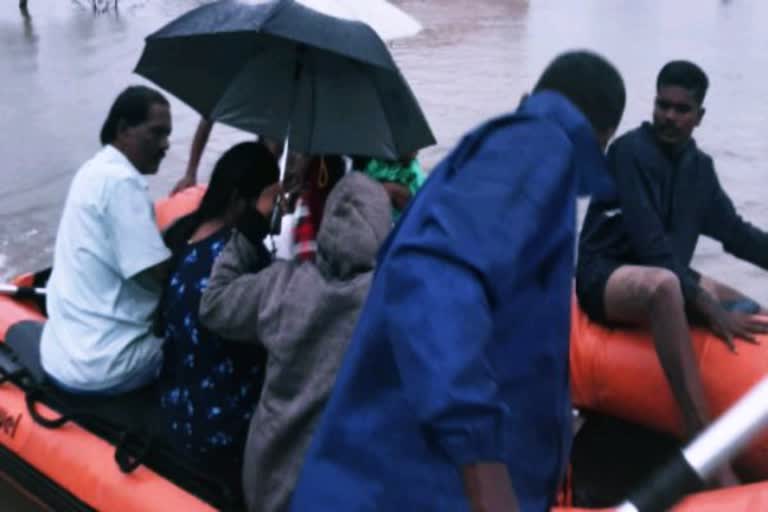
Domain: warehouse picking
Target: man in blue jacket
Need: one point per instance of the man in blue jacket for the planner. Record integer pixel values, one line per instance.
(454, 392)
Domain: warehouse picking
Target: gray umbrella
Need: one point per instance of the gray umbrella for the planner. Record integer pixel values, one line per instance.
(278, 68)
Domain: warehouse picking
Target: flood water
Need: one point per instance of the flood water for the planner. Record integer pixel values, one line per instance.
(62, 67)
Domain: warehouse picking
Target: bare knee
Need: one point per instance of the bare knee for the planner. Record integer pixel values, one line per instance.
(663, 288)
(635, 293)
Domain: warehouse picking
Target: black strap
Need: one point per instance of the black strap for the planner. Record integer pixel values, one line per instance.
(133, 446)
(14, 376)
(131, 450)
(32, 397)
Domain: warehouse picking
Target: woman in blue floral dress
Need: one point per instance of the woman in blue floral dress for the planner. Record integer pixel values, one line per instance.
(210, 386)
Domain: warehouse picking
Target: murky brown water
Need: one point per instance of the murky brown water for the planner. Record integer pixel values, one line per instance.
(62, 68)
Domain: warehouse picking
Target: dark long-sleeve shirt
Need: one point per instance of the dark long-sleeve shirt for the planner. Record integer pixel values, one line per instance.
(663, 205)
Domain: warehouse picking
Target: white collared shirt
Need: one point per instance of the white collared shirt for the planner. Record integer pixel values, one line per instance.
(98, 332)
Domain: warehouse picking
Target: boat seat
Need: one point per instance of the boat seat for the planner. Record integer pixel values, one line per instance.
(23, 339)
(130, 412)
(131, 423)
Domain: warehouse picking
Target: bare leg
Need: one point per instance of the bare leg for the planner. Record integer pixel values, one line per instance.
(651, 297)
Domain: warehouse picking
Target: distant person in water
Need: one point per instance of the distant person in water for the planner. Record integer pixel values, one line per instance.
(635, 251)
(210, 386)
(109, 259)
(453, 394)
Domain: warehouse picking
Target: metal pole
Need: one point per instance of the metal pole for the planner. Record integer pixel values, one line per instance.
(720, 442)
(21, 291)
(731, 432)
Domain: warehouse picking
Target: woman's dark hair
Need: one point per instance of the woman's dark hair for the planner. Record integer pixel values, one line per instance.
(592, 84)
(685, 74)
(131, 106)
(242, 171)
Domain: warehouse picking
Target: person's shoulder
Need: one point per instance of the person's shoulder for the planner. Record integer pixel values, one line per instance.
(517, 133)
(703, 156)
(108, 166)
(92, 180)
(517, 124)
(632, 140)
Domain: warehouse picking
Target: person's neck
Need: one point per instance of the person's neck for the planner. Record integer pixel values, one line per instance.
(673, 152)
(122, 149)
(212, 226)
(209, 228)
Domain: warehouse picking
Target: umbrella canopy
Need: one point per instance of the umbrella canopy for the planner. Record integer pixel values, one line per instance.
(265, 67)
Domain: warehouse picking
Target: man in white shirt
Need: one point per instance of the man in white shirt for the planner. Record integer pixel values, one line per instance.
(109, 258)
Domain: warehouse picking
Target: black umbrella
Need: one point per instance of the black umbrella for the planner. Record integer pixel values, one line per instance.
(283, 70)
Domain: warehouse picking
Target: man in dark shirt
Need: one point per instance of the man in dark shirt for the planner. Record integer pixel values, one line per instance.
(635, 251)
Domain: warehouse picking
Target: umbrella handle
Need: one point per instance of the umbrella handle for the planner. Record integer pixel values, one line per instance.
(276, 218)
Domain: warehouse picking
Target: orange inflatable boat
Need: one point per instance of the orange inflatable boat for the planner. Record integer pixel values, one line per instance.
(73, 453)
(612, 459)
(617, 373)
(745, 498)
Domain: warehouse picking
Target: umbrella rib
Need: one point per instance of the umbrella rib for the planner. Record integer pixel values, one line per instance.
(274, 11)
(313, 108)
(379, 98)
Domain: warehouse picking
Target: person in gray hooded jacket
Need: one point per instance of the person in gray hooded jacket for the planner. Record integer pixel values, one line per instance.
(304, 315)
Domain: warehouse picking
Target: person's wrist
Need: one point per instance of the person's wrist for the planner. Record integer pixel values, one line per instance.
(488, 487)
(705, 301)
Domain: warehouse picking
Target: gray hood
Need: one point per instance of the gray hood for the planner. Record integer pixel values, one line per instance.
(356, 221)
(304, 315)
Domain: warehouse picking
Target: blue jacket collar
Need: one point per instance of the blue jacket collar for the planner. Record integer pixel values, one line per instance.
(589, 161)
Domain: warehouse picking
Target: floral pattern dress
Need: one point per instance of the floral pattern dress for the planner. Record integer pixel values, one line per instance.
(209, 386)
